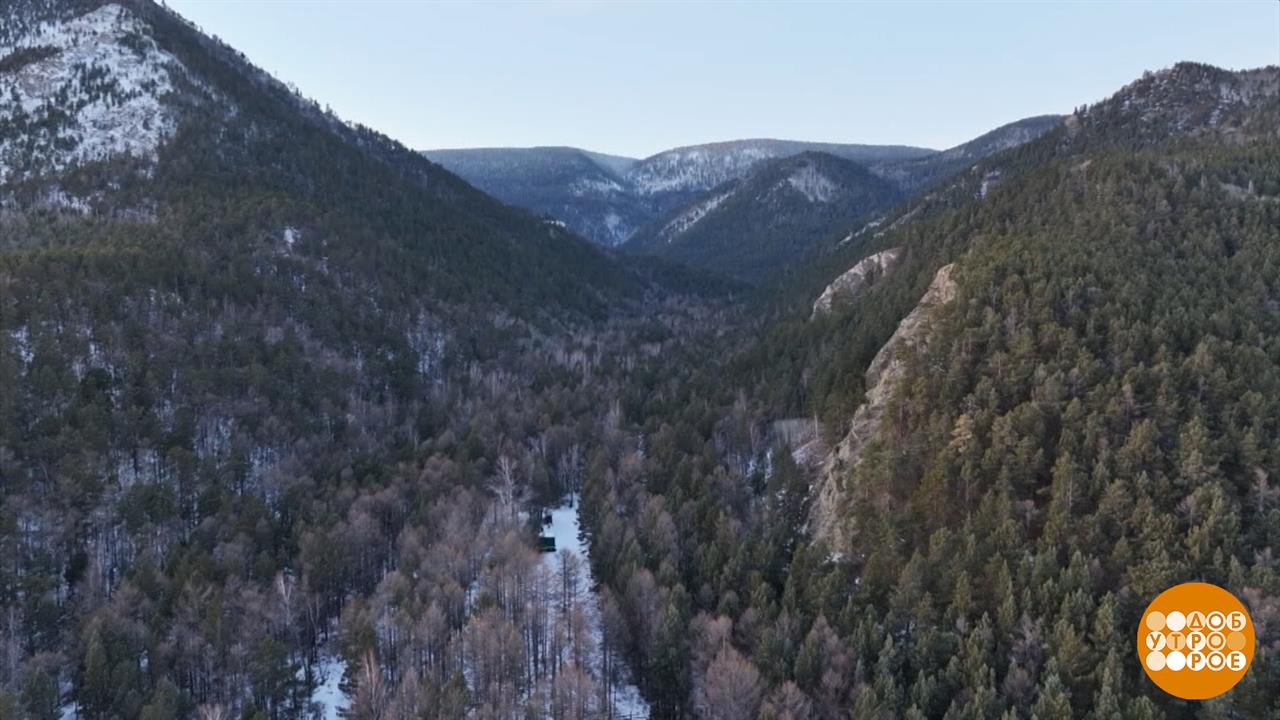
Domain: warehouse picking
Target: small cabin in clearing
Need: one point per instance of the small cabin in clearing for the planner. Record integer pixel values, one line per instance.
(546, 543)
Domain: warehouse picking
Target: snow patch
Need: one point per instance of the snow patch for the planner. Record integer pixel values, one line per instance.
(564, 527)
(810, 182)
(329, 700)
(690, 217)
(428, 343)
(617, 228)
(594, 186)
(92, 91)
(22, 343)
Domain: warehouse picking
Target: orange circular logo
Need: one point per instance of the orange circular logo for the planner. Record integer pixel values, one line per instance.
(1195, 641)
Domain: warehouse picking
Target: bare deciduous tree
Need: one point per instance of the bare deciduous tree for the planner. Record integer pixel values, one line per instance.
(731, 689)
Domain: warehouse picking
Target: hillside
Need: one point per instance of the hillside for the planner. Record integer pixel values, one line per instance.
(1051, 407)
(247, 350)
(589, 192)
(751, 227)
(124, 111)
(773, 241)
(916, 174)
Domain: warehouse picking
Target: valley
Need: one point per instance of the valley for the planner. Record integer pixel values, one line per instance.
(823, 430)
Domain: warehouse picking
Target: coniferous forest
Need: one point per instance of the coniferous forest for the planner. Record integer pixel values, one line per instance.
(283, 405)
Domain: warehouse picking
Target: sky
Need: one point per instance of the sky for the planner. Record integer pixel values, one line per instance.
(638, 78)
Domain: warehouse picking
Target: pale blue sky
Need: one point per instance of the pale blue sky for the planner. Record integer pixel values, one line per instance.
(637, 78)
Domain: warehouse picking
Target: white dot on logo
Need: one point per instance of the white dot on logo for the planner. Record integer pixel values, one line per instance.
(1175, 621)
(1175, 661)
(1155, 661)
(1217, 661)
(1216, 620)
(1236, 621)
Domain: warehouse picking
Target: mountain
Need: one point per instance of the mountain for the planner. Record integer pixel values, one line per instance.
(230, 326)
(587, 191)
(124, 112)
(1187, 101)
(672, 177)
(1190, 100)
(1051, 406)
(608, 198)
(758, 243)
(750, 227)
(918, 173)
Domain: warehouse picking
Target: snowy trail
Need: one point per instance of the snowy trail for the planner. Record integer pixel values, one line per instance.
(564, 527)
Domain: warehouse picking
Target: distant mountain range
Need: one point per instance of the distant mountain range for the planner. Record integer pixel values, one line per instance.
(755, 227)
(654, 204)
(608, 198)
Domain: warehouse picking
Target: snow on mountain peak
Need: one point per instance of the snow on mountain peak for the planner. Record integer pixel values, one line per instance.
(696, 168)
(84, 89)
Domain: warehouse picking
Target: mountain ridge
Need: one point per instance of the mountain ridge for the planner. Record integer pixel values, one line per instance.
(641, 191)
(753, 226)
(645, 188)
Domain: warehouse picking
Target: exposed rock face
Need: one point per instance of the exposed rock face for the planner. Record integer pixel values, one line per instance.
(856, 279)
(881, 379)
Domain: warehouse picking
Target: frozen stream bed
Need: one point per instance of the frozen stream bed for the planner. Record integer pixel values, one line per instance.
(627, 701)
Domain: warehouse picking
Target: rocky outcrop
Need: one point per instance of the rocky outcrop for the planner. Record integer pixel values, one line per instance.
(853, 281)
(882, 377)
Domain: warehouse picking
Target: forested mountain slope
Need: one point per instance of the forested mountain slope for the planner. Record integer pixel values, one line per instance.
(751, 227)
(917, 173)
(749, 230)
(587, 191)
(1083, 421)
(253, 361)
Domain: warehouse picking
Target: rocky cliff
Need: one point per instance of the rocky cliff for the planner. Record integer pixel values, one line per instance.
(833, 466)
(856, 279)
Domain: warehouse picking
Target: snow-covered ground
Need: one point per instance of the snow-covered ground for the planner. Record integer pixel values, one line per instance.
(328, 696)
(106, 73)
(628, 703)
